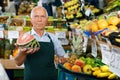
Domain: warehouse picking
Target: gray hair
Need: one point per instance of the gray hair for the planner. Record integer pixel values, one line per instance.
(32, 11)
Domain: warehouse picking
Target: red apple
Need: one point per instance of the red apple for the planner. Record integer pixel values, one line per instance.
(79, 62)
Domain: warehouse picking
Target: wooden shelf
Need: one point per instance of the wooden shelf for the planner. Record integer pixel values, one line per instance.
(9, 64)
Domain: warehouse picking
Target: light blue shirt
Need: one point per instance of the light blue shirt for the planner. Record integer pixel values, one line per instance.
(17, 2)
(57, 45)
(47, 1)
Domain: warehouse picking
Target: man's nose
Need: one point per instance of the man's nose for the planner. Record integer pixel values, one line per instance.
(39, 18)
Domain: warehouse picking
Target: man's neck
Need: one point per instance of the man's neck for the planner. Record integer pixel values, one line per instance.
(40, 32)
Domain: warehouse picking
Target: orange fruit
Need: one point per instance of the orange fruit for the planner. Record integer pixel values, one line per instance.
(102, 24)
(94, 27)
(113, 20)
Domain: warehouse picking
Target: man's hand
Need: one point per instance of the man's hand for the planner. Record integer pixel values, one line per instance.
(27, 50)
(62, 60)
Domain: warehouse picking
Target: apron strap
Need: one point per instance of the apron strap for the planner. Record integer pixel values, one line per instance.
(49, 38)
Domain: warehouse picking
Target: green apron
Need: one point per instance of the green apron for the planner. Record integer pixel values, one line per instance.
(40, 65)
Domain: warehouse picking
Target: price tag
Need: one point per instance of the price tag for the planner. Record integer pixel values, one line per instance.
(13, 34)
(88, 12)
(61, 34)
(105, 50)
(1, 34)
(85, 43)
(115, 61)
(94, 48)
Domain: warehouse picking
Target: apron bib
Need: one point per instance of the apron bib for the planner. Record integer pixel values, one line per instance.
(40, 65)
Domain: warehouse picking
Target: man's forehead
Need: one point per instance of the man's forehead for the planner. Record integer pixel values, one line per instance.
(39, 9)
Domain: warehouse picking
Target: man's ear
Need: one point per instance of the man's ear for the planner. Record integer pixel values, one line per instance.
(47, 19)
(30, 19)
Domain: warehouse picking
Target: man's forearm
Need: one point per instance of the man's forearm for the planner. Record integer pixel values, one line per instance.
(20, 58)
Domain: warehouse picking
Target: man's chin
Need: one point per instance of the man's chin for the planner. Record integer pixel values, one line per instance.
(38, 28)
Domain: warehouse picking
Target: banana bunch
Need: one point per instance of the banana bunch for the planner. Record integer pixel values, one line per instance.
(102, 72)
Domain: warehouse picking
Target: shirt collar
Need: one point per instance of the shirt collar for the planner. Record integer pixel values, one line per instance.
(34, 33)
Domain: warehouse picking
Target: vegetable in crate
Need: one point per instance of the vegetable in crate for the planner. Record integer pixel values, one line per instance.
(27, 41)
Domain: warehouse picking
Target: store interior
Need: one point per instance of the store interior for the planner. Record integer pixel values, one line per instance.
(89, 32)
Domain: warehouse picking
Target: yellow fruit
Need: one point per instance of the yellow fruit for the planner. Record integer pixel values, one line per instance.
(102, 74)
(94, 27)
(112, 27)
(114, 20)
(15, 52)
(111, 76)
(96, 72)
(117, 40)
(87, 69)
(102, 24)
(95, 68)
(109, 72)
(104, 68)
(87, 26)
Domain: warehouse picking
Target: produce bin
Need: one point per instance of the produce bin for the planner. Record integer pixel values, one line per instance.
(65, 74)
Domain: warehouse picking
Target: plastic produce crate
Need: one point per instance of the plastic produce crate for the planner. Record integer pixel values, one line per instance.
(65, 74)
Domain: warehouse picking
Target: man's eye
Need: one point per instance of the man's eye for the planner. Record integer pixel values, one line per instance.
(35, 16)
(40, 16)
(43, 16)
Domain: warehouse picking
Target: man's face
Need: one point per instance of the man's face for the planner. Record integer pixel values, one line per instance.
(39, 19)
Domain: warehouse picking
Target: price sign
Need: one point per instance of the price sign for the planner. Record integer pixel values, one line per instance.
(1, 34)
(85, 43)
(13, 34)
(94, 48)
(105, 50)
(115, 61)
(61, 34)
(87, 12)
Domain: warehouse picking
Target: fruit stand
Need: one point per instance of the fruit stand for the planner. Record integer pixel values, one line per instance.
(89, 45)
(103, 41)
(98, 71)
